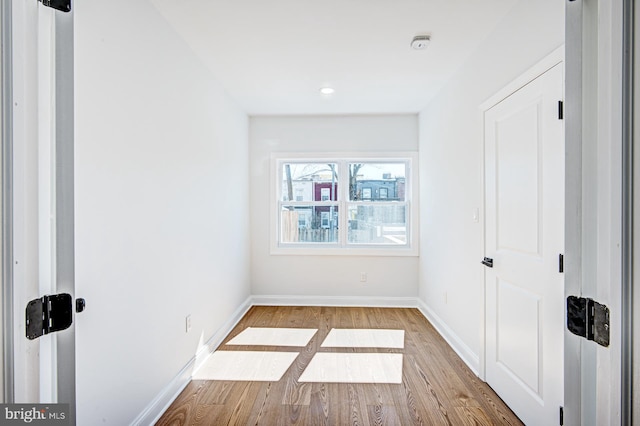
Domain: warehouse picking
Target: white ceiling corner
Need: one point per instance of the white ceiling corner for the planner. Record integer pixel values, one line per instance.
(273, 56)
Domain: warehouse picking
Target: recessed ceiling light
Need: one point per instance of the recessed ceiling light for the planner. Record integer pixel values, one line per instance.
(327, 90)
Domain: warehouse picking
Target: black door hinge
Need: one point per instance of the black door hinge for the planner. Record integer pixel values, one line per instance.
(560, 110)
(589, 319)
(561, 416)
(48, 314)
(63, 5)
(561, 263)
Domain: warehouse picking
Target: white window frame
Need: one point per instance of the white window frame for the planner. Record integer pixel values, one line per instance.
(343, 247)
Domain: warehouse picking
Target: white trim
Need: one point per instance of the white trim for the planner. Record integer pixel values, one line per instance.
(327, 250)
(47, 191)
(341, 301)
(156, 408)
(410, 158)
(465, 352)
(550, 61)
(6, 203)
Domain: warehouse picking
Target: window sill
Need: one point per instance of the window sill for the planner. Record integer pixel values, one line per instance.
(350, 251)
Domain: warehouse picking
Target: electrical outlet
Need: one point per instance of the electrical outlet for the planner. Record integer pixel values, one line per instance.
(187, 323)
(363, 277)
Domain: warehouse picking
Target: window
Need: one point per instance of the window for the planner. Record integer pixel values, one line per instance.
(327, 204)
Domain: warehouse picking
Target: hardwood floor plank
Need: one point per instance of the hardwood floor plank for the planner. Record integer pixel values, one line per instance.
(240, 408)
(296, 393)
(472, 416)
(405, 402)
(216, 393)
(322, 409)
(383, 415)
(442, 374)
(431, 398)
(437, 387)
(375, 394)
(207, 415)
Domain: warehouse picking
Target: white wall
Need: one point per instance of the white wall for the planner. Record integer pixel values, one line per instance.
(452, 246)
(325, 276)
(161, 207)
(25, 194)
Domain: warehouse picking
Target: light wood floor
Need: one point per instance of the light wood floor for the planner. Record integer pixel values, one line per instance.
(437, 387)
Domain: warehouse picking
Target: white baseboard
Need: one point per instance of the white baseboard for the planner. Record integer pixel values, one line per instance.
(152, 412)
(468, 356)
(345, 301)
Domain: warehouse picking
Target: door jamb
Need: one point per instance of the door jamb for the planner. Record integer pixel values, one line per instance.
(7, 202)
(64, 202)
(627, 240)
(573, 203)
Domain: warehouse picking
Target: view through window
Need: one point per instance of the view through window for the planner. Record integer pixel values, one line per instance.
(343, 203)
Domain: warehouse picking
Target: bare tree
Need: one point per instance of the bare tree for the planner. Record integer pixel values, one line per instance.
(287, 170)
(353, 181)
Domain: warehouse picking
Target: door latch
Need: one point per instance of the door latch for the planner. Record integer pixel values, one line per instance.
(487, 261)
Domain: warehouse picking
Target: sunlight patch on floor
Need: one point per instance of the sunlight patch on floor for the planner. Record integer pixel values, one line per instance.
(255, 366)
(265, 336)
(328, 367)
(364, 338)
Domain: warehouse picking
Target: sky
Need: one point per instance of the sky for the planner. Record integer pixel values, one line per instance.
(368, 171)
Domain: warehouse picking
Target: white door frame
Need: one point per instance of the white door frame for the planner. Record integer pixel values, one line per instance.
(6, 251)
(573, 202)
(24, 195)
(64, 202)
(595, 231)
(630, 125)
(30, 208)
(554, 58)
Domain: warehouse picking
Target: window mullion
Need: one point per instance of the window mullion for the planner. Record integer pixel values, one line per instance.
(343, 197)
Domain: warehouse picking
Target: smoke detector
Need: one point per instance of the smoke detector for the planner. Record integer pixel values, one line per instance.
(420, 42)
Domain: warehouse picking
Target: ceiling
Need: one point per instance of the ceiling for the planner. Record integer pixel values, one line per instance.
(273, 56)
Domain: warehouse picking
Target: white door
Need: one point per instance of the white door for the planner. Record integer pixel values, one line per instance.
(524, 190)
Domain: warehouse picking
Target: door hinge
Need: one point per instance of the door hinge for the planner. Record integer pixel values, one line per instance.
(48, 314)
(561, 263)
(62, 5)
(589, 319)
(561, 416)
(560, 110)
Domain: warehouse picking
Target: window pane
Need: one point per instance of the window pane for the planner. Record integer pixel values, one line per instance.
(377, 181)
(317, 224)
(309, 182)
(371, 224)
